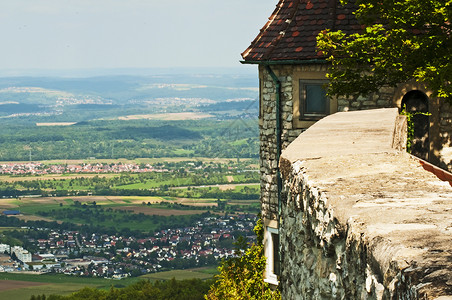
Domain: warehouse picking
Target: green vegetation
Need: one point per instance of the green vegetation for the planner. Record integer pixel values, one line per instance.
(242, 277)
(116, 220)
(131, 139)
(217, 184)
(189, 289)
(99, 221)
(128, 117)
(400, 40)
(117, 118)
(237, 193)
(410, 126)
(57, 278)
(199, 273)
(26, 293)
(149, 180)
(55, 284)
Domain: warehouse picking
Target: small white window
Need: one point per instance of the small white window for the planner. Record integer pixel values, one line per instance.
(271, 244)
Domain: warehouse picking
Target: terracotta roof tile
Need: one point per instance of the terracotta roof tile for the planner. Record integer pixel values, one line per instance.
(290, 33)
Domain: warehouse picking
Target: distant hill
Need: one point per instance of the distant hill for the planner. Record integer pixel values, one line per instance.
(129, 116)
(15, 108)
(82, 99)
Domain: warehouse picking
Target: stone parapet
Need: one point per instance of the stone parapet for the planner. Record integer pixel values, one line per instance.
(360, 219)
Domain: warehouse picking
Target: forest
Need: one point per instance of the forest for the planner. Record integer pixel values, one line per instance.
(129, 139)
(189, 289)
(170, 115)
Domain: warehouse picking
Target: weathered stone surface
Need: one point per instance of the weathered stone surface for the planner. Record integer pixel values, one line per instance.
(362, 220)
(370, 132)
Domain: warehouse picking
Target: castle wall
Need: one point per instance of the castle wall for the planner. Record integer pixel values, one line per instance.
(291, 125)
(442, 144)
(361, 220)
(267, 126)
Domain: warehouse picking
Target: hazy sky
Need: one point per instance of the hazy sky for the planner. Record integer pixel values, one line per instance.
(67, 34)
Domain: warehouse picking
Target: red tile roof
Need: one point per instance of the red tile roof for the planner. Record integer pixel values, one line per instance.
(290, 33)
(440, 173)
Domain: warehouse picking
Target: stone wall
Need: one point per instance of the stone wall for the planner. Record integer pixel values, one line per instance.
(384, 98)
(360, 219)
(444, 144)
(267, 126)
(291, 126)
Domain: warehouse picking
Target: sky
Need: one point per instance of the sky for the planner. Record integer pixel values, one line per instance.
(114, 34)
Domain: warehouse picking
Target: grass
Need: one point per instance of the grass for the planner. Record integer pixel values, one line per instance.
(179, 275)
(149, 184)
(48, 289)
(58, 278)
(57, 284)
(64, 285)
(212, 270)
(32, 209)
(69, 201)
(2, 229)
(108, 219)
(183, 152)
(239, 142)
(234, 187)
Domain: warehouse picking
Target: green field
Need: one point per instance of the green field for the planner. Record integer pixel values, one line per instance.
(63, 285)
(2, 229)
(56, 284)
(200, 273)
(144, 160)
(106, 217)
(111, 184)
(48, 289)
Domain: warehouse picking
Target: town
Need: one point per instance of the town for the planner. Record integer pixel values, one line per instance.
(38, 168)
(116, 257)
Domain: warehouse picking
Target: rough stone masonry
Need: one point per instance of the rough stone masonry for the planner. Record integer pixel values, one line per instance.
(361, 219)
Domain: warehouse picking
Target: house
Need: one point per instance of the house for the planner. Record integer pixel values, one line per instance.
(292, 77)
(21, 254)
(11, 212)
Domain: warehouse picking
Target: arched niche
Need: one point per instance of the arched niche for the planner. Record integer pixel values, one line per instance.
(417, 102)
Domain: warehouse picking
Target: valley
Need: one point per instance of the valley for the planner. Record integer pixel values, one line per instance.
(121, 178)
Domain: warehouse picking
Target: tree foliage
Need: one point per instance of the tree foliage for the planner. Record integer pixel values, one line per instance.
(400, 40)
(190, 289)
(242, 277)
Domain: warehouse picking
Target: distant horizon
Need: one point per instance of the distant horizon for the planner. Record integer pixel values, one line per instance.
(110, 34)
(95, 72)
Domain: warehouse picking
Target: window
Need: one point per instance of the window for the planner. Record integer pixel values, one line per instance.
(272, 253)
(276, 262)
(314, 104)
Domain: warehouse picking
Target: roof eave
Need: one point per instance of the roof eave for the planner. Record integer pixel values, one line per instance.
(285, 62)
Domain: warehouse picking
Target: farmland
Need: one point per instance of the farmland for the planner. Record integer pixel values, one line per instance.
(23, 286)
(147, 176)
(54, 285)
(181, 193)
(180, 182)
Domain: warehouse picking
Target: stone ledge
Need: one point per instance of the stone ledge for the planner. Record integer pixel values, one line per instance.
(382, 224)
